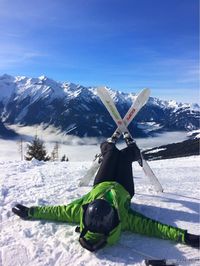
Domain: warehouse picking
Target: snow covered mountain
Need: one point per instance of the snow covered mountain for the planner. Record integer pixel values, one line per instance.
(6, 133)
(31, 101)
(185, 148)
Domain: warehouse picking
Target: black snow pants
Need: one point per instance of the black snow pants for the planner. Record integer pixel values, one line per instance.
(117, 166)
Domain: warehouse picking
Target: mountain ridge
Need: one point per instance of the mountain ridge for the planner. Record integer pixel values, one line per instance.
(32, 101)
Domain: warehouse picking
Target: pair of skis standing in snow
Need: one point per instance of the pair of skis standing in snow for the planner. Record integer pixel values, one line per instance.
(105, 211)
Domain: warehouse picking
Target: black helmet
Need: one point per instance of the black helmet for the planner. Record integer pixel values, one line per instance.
(100, 217)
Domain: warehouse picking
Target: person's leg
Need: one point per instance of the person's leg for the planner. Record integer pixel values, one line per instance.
(108, 167)
(124, 169)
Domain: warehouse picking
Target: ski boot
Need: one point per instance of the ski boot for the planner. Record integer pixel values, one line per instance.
(114, 137)
(98, 158)
(128, 139)
(131, 142)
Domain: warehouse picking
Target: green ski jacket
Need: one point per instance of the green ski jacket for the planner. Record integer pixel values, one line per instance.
(130, 220)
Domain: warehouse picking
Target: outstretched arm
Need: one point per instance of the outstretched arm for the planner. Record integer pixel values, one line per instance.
(66, 213)
(141, 224)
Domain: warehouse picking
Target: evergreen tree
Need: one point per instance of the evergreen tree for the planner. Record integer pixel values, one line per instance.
(64, 158)
(36, 149)
(54, 154)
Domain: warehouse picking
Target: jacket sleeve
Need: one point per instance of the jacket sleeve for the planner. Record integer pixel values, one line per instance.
(140, 224)
(66, 213)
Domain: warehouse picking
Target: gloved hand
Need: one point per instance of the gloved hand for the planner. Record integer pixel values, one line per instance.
(192, 240)
(21, 211)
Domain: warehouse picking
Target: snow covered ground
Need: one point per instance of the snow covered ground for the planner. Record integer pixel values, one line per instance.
(39, 243)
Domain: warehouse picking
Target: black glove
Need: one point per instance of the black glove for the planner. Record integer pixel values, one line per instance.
(192, 240)
(21, 211)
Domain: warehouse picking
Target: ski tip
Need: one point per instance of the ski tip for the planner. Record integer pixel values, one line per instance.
(160, 190)
(102, 88)
(146, 92)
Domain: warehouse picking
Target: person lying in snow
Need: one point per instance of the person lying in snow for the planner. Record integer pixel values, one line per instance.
(105, 211)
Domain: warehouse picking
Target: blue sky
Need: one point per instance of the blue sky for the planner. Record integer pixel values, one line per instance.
(124, 44)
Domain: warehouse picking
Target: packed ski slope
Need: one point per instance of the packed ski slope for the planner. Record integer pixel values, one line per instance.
(39, 243)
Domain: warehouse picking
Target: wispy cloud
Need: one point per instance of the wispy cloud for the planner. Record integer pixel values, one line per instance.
(191, 75)
(15, 55)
